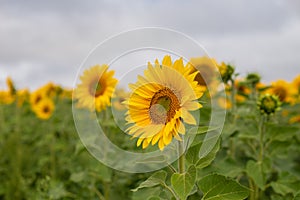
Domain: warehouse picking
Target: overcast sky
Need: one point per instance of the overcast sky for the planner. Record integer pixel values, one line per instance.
(45, 41)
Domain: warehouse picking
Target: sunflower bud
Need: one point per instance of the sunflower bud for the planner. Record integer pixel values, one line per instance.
(268, 104)
(226, 72)
(11, 86)
(253, 79)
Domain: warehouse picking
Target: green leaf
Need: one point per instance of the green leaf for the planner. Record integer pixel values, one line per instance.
(101, 172)
(229, 167)
(154, 198)
(255, 171)
(183, 183)
(203, 129)
(279, 149)
(287, 183)
(280, 197)
(57, 190)
(192, 155)
(229, 130)
(206, 160)
(146, 193)
(218, 187)
(78, 177)
(158, 178)
(297, 196)
(279, 132)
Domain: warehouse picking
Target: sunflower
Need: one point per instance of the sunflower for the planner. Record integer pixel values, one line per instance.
(243, 91)
(119, 97)
(49, 89)
(283, 90)
(36, 97)
(296, 84)
(226, 71)
(224, 103)
(11, 86)
(22, 96)
(160, 102)
(268, 104)
(294, 119)
(261, 87)
(66, 93)
(6, 97)
(253, 79)
(207, 68)
(96, 88)
(44, 108)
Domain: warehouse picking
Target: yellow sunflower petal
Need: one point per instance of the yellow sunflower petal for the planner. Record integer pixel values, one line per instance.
(188, 117)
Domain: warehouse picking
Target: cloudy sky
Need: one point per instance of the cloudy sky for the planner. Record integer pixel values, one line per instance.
(45, 41)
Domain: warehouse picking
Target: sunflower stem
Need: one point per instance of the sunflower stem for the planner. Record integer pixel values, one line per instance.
(261, 139)
(181, 160)
(233, 92)
(16, 160)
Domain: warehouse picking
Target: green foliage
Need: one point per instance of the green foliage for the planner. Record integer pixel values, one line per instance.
(193, 156)
(286, 183)
(218, 187)
(46, 159)
(256, 157)
(255, 172)
(184, 183)
(158, 178)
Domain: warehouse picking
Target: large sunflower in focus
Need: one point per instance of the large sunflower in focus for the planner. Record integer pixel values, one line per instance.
(161, 101)
(96, 88)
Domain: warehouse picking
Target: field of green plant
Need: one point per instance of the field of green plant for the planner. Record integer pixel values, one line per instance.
(256, 157)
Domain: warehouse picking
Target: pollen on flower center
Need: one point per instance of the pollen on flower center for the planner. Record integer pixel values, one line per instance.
(163, 106)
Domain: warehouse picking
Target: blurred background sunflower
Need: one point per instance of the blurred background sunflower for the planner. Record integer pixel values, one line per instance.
(96, 88)
(44, 108)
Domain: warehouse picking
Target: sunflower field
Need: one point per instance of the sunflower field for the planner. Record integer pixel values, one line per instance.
(253, 153)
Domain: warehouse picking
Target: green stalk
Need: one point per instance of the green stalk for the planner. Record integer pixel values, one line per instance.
(233, 102)
(261, 139)
(254, 93)
(2, 121)
(261, 151)
(231, 148)
(98, 193)
(53, 156)
(16, 161)
(253, 189)
(52, 148)
(106, 190)
(181, 160)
